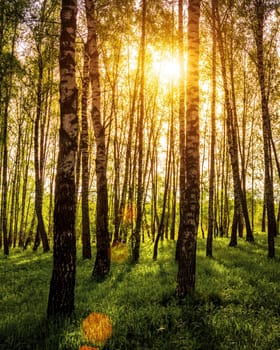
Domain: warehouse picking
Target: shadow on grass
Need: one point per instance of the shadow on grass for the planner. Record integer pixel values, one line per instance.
(36, 334)
(148, 315)
(180, 325)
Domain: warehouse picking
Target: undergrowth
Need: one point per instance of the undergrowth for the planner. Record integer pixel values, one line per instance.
(236, 304)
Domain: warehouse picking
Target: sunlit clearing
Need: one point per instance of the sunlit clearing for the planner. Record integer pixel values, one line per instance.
(167, 69)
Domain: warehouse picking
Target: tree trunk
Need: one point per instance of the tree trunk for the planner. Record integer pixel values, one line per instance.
(16, 184)
(162, 217)
(238, 209)
(4, 196)
(24, 213)
(41, 231)
(239, 196)
(140, 125)
(62, 286)
(268, 181)
(51, 195)
(211, 218)
(182, 127)
(187, 247)
(31, 229)
(278, 218)
(174, 183)
(4, 189)
(103, 258)
(85, 168)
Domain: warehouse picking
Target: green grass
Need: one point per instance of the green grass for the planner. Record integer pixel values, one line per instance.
(236, 306)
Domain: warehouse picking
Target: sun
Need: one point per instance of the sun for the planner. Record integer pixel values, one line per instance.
(166, 68)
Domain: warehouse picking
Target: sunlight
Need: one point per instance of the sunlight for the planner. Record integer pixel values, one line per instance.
(167, 68)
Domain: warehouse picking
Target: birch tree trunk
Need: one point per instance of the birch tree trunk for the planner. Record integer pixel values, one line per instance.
(268, 180)
(62, 286)
(187, 247)
(140, 125)
(103, 258)
(85, 167)
(211, 218)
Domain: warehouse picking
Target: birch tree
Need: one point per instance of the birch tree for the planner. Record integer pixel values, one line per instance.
(103, 259)
(187, 247)
(62, 286)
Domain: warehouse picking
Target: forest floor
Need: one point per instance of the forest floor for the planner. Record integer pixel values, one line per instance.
(236, 305)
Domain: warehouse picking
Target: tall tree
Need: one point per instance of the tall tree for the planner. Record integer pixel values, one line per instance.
(85, 164)
(38, 137)
(211, 218)
(231, 128)
(103, 258)
(9, 68)
(182, 127)
(4, 179)
(261, 8)
(62, 286)
(187, 247)
(140, 135)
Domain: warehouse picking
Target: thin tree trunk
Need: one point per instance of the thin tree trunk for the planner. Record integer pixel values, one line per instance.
(173, 179)
(41, 231)
(182, 127)
(5, 177)
(211, 217)
(85, 168)
(103, 255)
(140, 127)
(116, 186)
(278, 170)
(16, 189)
(162, 217)
(11, 208)
(268, 182)
(26, 149)
(223, 199)
(202, 187)
(238, 210)
(31, 229)
(51, 195)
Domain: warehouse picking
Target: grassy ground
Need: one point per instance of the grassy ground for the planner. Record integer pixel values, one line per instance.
(237, 304)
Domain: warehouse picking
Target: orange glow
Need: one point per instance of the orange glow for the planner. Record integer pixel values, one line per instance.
(97, 328)
(86, 347)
